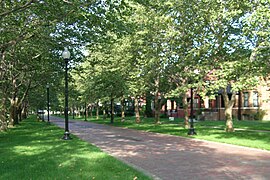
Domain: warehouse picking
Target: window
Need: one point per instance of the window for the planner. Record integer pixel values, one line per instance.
(255, 99)
(245, 99)
(196, 103)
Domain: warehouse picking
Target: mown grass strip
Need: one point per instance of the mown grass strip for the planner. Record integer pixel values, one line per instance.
(34, 150)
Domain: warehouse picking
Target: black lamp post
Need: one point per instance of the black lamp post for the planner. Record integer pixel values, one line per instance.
(73, 113)
(66, 56)
(48, 101)
(191, 130)
(85, 106)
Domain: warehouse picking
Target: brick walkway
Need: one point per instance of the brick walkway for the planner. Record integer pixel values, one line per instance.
(174, 158)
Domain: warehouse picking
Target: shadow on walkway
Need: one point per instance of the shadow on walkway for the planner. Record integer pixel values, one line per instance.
(173, 157)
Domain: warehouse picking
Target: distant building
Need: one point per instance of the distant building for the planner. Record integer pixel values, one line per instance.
(249, 105)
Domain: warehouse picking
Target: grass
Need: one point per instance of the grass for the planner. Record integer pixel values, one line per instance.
(206, 130)
(34, 150)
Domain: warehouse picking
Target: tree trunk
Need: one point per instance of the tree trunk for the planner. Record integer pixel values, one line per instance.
(97, 111)
(122, 109)
(105, 111)
(228, 109)
(185, 108)
(3, 119)
(148, 108)
(24, 111)
(22, 106)
(137, 111)
(80, 111)
(157, 108)
(73, 112)
(157, 99)
(19, 112)
(104, 114)
(86, 111)
(91, 111)
(13, 112)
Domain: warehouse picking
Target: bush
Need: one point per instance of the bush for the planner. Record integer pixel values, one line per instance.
(259, 115)
(163, 115)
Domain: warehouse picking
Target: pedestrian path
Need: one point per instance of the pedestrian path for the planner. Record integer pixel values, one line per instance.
(169, 157)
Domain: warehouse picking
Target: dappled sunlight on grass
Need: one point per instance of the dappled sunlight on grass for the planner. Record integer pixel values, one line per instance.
(35, 150)
(259, 140)
(28, 150)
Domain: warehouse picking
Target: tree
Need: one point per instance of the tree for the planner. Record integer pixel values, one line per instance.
(229, 52)
(31, 37)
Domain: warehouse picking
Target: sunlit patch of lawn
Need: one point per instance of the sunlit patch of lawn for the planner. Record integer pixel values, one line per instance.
(35, 150)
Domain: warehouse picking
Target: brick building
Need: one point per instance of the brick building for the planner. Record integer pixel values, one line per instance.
(249, 105)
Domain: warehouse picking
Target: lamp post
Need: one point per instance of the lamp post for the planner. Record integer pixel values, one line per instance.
(66, 56)
(191, 130)
(73, 113)
(85, 106)
(48, 101)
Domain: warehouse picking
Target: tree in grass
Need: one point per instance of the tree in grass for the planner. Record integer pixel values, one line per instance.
(148, 49)
(25, 30)
(229, 52)
(27, 26)
(185, 51)
(105, 74)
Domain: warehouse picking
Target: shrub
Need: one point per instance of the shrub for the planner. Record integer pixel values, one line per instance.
(259, 115)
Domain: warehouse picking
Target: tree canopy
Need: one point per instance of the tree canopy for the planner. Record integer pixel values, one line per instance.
(134, 48)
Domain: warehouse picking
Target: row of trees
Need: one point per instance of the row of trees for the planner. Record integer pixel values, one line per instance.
(172, 46)
(135, 48)
(33, 34)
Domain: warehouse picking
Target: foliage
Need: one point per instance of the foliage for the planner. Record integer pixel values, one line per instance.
(32, 35)
(260, 114)
(133, 48)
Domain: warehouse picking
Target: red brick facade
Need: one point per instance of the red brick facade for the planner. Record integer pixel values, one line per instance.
(249, 105)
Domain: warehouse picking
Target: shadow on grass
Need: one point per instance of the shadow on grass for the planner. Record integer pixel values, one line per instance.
(174, 153)
(35, 150)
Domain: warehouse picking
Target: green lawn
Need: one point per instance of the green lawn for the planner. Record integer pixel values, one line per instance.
(35, 150)
(206, 130)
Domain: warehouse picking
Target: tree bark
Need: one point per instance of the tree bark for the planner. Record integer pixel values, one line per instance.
(87, 111)
(14, 112)
(91, 111)
(104, 114)
(24, 110)
(19, 112)
(3, 119)
(137, 111)
(73, 112)
(21, 104)
(148, 108)
(105, 110)
(157, 108)
(228, 109)
(185, 108)
(97, 111)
